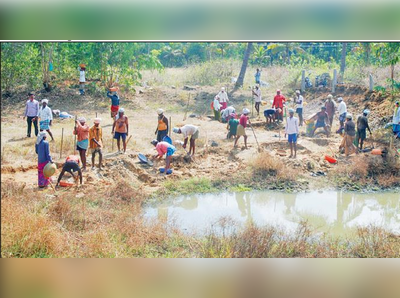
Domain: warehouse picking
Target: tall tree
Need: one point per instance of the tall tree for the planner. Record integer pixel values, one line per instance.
(343, 60)
(242, 73)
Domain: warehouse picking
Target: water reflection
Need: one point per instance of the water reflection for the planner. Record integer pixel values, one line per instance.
(332, 212)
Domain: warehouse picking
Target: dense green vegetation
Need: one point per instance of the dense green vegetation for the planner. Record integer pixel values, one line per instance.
(32, 64)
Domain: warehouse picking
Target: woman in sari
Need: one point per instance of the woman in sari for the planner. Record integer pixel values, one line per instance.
(43, 151)
(82, 132)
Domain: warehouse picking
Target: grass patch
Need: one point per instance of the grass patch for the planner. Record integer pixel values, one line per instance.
(189, 186)
(240, 188)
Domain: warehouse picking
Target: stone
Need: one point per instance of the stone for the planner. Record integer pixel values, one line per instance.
(214, 144)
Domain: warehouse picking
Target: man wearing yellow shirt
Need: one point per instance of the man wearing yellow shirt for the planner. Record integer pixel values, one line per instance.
(96, 141)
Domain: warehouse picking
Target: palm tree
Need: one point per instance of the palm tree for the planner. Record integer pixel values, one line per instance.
(239, 82)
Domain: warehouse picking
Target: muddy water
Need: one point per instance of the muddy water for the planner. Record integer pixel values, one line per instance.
(336, 213)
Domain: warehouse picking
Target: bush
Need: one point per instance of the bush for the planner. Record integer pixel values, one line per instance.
(267, 165)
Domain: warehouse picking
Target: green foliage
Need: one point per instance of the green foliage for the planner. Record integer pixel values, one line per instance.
(189, 186)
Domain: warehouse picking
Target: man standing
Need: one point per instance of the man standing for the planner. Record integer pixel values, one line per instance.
(258, 76)
(278, 103)
(121, 128)
(292, 131)
(188, 131)
(257, 98)
(112, 94)
(322, 121)
(222, 97)
(241, 130)
(362, 126)
(342, 109)
(46, 117)
(31, 114)
(82, 132)
(217, 108)
(82, 79)
(349, 134)
(162, 126)
(396, 120)
(299, 106)
(96, 141)
(330, 106)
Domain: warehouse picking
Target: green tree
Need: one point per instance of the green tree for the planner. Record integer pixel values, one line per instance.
(389, 55)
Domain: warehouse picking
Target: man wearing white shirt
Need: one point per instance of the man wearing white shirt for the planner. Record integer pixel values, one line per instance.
(257, 99)
(299, 106)
(217, 109)
(225, 114)
(188, 131)
(31, 114)
(82, 79)
(292, 130)
(342, 109)
(223, 98)
(46, 117)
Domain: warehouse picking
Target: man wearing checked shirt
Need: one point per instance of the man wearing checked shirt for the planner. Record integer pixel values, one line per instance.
(31, 114)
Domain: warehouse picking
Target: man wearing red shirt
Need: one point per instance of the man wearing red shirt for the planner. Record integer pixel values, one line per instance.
(278, 103)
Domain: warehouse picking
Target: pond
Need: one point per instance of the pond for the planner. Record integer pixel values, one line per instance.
(336, 213)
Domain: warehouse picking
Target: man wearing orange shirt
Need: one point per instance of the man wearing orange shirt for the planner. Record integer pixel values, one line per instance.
(279, 101)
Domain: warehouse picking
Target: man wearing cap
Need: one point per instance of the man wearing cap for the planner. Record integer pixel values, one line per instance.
(82, 79)
(112, 94)
(362, 126)
(241, 129)
(278, 103)
(46, 117)
(292, 131)
(349, 135)
(82, 132)
(217, 109)
(330, 106)
(342, 109)
(167, 149)
(71, 165)
(31, 114)
(222, 97)
(96, 141)
(299, 106)
(322, 121)
(257, 98)
(396, 120)
(186, 131)
(162, 126)
(121, 128)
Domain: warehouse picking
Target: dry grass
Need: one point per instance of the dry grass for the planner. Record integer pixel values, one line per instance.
(264, 164)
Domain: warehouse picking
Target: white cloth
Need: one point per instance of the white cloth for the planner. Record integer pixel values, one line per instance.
(229, 110)
(299, 102)
(257, 97)
(396, 117)
(45, 114)
(40, 137)
(188, 130)
(292, 125)
(217, 105)
(342, 108)
(222, 96)
(82, 76)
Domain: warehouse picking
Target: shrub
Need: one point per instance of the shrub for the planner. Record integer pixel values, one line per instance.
(267, 165)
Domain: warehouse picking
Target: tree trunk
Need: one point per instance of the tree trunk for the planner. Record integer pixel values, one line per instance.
(343, 60)
(239, 82)
(367, 48)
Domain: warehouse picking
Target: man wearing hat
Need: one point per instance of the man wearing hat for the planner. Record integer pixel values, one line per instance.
(278, 103)
(31, 114)
(96, 141)
(82, 132)
(299, 106)
(241, 129)
(222, 97)
(362, 126)
(330, 106)
(112, 94)
(46, 117)
(292, 131)
(342, 109)
(349, 135)
(396, 120)
(188, 131)
(121, 128)
(162, 126)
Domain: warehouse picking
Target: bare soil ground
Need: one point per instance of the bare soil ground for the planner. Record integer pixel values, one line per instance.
(221, 162)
